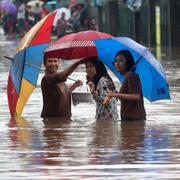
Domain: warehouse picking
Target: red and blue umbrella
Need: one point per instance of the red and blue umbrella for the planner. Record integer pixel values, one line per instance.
(26, 64)
(149, 69)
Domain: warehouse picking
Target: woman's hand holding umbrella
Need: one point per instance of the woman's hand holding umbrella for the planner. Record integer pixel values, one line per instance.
(109, 96)
(91, 86)
(121, 96)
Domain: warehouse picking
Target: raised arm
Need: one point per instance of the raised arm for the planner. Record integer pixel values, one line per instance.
(70, 69)
(61, 76)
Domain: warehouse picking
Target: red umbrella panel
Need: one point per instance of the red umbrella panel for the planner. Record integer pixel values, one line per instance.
(76, 45)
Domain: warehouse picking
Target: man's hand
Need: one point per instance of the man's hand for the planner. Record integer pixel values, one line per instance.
(75, 85)
(78, 83)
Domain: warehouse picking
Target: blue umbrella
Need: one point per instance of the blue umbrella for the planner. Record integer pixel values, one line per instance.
(149, 69)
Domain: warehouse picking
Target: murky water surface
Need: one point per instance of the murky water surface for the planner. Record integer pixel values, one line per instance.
(31, 148)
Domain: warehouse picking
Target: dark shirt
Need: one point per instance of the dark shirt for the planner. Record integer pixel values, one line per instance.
(132, 110)
(56, 98)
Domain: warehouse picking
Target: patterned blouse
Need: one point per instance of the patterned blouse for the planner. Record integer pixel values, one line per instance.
(108, 111)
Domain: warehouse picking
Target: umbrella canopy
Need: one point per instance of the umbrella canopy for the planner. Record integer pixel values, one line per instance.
(51, 2)
(24, 70)
(76, 45)
(149, 69)
(8, 7)
(49, 5)
(60, 11)
(34, 3)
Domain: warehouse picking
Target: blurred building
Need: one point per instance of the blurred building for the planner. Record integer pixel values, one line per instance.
(156, 22)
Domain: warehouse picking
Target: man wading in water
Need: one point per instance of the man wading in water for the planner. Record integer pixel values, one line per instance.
(56, 94)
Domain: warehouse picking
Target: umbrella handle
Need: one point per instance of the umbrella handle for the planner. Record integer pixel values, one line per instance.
(136, 63)
(9, 58)
(72, 79)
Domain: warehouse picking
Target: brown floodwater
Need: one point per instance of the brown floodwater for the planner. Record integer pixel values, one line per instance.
(31, 148)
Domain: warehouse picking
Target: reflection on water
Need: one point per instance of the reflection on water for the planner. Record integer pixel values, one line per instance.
(33, 148)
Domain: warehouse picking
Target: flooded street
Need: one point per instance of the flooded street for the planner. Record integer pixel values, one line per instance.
(31, 148)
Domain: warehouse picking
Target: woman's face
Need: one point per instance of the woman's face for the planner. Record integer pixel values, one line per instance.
(90, 69)
(120, 64)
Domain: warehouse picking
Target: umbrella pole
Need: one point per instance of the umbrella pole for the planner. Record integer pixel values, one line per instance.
(42, 69)
(136, 63)
(9, 58)
(72, 79)
(138, 60)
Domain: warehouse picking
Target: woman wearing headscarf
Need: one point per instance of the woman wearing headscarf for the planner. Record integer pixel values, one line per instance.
(101, 84)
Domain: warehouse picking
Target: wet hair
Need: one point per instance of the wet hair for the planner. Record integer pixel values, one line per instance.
(44, 60)
(130, 63)
(101, 71)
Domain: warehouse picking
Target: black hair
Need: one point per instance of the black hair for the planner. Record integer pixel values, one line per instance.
(130, 63)
(101, 71)
(44, 59)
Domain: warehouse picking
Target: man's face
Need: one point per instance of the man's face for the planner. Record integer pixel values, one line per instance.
(52, 65)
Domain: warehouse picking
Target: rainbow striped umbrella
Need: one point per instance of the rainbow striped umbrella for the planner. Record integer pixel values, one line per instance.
(24, 73)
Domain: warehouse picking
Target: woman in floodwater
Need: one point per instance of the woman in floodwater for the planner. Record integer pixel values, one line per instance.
(130, 95)
(101, 84)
